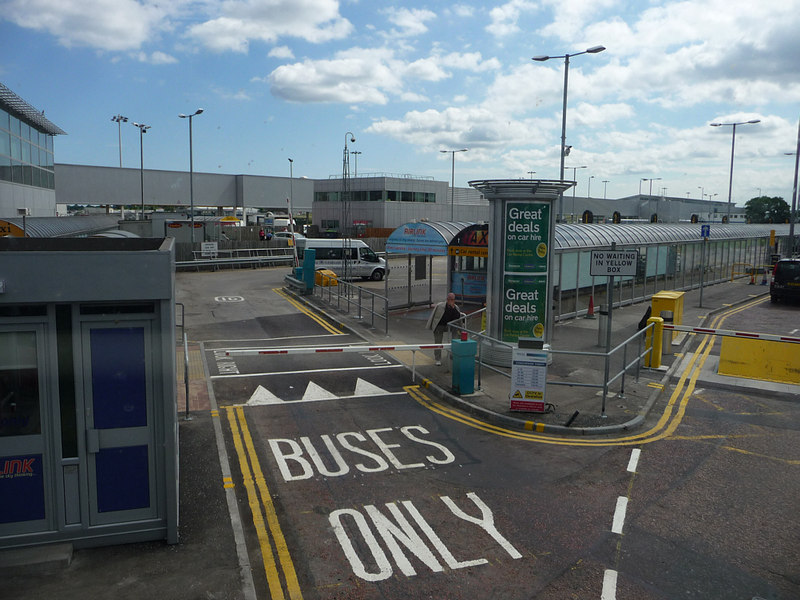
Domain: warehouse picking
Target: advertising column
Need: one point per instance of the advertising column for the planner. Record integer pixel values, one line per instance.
(521, 243)
(526, 244)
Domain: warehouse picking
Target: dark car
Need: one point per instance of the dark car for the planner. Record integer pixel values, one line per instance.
(785, 282)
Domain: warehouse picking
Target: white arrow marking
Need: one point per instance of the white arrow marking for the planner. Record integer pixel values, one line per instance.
(262, 397)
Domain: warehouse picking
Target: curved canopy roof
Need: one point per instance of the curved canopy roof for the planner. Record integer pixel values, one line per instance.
(574, 235)
(432, 238)
(428, 238)
(47, 227)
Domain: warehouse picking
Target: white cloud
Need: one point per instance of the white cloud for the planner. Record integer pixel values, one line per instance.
(504, 18)
(410, 21)
(114, 25)
(243, 21)
(368, 75)
(281, 52)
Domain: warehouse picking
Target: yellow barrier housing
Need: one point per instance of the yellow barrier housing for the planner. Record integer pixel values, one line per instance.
(767, 360)
(325, 277)
(654, 342)
(671, 301)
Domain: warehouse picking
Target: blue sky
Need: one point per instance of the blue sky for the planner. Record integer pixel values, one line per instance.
(282, 79)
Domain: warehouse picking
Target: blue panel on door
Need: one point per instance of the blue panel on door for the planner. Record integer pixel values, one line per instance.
(123, 481)
(118, 378)
(21, 488)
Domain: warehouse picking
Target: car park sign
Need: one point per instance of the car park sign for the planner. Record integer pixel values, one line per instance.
(614, 263)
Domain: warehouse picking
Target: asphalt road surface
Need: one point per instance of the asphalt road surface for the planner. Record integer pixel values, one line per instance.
(355, 483)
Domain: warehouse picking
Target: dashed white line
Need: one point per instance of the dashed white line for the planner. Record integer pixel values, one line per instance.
(634, 461)
(619, 514)
(609, 585)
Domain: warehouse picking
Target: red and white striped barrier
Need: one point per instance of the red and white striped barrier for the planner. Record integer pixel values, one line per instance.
(739, 334)
(327, 349)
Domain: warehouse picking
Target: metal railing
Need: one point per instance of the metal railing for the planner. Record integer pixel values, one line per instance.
(611, 375)
(243, 257)
(347, 298)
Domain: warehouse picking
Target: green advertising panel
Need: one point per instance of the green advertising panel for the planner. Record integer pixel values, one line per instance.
(527, 234)
(524, 306)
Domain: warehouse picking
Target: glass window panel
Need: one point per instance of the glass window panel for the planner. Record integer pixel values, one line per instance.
(14, 125)
(5, 143)
(26, 152)
(25, 131)
(27, 174)
(16, 148)
(5, 168)
(4, 119)
(19, 384)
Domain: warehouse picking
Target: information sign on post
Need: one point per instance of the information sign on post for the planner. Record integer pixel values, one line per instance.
(528, 380)
(614, 263)
(705, 231)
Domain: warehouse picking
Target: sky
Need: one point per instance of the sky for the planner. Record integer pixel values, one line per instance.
(281, 79)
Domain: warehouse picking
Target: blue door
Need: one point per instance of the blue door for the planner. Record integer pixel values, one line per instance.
(118, 384)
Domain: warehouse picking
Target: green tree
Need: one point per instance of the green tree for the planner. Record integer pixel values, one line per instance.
(764, 209)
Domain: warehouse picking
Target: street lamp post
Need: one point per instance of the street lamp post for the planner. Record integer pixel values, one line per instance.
(191, 171)
(119, 119)
(733, 144)
(605, 185)
(356, 153)
(566, 57)
(453, 179)
(589, 187)
(575, 179)
(793, 211)
(291, 213)
(142, 130)
(531, 173)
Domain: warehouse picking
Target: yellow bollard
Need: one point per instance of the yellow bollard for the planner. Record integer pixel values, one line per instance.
(653, 342)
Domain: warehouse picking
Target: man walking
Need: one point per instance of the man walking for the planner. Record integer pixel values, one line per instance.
(443, 313)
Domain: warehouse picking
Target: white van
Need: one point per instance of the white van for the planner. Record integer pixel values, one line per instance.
(361, 262)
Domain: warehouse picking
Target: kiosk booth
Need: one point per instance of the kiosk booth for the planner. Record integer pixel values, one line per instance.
(88, 417)
(466, 247)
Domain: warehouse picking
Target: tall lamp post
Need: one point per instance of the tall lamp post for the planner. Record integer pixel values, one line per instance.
(605, 185)
(733, 144)
(589, 187)
(142, 130)
(566, 57)
(575, 179)
(119, 119)
(191, 170)
(356, 153)
(793, 211)
(453, 179)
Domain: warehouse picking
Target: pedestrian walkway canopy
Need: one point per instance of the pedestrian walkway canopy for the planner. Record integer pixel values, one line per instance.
(433, 238)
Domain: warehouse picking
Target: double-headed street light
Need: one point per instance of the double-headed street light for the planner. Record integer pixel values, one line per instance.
(119, 119)
(453, 179)
(566, 57)
(142, 130)
(191, 170)
(733, 144)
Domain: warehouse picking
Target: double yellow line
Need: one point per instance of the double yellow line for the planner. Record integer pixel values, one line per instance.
(667, 423)
(265, 519)
(309, 313)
